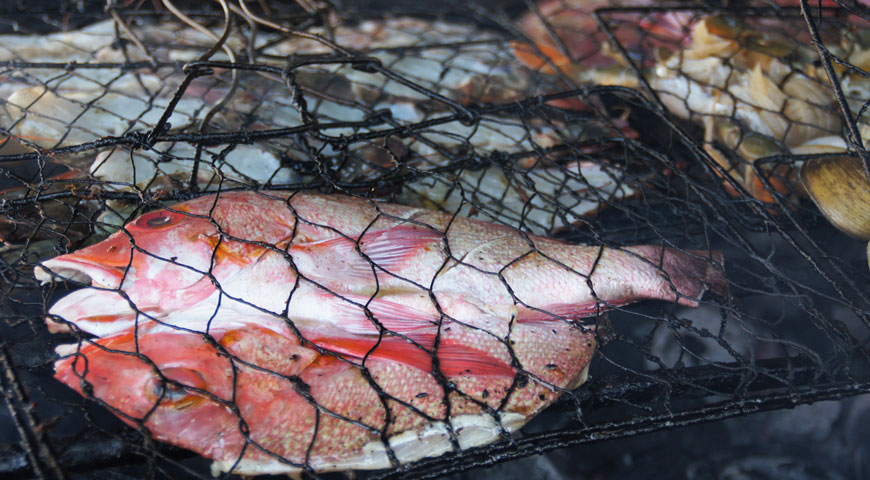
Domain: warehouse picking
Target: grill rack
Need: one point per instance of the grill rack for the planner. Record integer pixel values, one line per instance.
(810, 381)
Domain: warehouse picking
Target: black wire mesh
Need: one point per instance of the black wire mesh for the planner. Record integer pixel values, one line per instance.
(649, 131)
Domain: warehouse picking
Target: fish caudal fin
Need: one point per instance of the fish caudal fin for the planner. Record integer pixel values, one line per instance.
(693, 272)
(687, 274)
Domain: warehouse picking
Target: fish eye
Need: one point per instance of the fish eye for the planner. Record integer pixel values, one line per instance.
(159, 219)
(167, 391)
(171, 388)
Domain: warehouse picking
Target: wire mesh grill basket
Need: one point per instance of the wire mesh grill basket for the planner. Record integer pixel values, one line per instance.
(315, 237)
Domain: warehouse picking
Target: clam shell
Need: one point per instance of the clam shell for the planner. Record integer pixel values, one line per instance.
(840, 189)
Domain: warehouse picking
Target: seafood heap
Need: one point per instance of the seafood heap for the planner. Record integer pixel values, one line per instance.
(760, 94)
(734, 80)
(49, 108)
(755, 87)
(342, 333)
(476, 70)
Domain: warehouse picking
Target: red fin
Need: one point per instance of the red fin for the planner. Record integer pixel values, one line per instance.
(395, 317)
(392, 348)
(690, 273)
(401, 318)
(711, 276)
(389, 249)
(454, 359)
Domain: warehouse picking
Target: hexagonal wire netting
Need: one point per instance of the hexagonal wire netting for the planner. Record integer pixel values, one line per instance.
(309, 296)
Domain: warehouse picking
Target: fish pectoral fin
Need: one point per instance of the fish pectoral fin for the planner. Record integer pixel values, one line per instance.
(386, 249)
(454, 359)
(394, 317)
(394, 349)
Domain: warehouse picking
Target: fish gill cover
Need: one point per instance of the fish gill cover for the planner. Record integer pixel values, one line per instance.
(253, 238)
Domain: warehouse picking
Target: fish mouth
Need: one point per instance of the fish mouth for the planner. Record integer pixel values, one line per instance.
(69, 268)
(93, 310)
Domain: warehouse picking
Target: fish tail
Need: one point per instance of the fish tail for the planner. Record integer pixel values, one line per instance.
(693, 272)
(688, 274)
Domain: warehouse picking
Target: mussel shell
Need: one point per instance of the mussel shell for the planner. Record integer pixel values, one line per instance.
(724, 26)
(840, 189)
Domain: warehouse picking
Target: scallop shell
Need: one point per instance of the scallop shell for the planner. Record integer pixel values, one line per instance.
(841, 190)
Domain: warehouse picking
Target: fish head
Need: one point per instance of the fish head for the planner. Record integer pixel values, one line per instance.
(179, 244)
(168, 260)
(187, 389)
(147, 246)
(172, 376)
(158, 263)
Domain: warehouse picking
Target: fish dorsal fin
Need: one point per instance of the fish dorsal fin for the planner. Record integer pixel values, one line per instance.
(454, 358)
(389, 249)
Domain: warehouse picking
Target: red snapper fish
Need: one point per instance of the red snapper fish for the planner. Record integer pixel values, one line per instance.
(279, 331)
(257, 402)
(356, 265)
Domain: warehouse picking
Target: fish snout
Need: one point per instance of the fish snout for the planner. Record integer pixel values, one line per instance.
(114, 251)
(101, 265)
